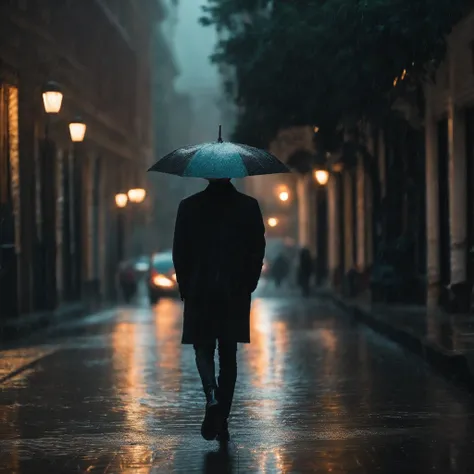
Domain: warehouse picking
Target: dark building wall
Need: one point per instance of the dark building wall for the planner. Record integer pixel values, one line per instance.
(99, 52)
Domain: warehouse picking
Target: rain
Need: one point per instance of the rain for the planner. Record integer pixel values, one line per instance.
(236, 236)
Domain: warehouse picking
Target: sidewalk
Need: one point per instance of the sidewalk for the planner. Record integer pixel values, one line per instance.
(25, 325)
(444, 341)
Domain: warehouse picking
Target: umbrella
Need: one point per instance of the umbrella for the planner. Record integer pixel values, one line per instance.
(219, 160)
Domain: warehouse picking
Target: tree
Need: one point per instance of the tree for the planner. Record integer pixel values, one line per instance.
(326, 61)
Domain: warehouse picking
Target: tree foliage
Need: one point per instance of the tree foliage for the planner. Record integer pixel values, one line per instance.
(325, 61)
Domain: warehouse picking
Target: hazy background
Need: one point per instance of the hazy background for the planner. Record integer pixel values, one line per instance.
(189, 106)
(192, 44)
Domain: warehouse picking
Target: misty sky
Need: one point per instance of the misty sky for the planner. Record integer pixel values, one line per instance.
(193, 44)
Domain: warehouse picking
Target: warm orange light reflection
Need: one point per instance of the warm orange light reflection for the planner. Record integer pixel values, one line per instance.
(331, 400)
(167, 315)
(266, 354)
(271, 461)
(10, 430)
(128, 342)
(259, 354)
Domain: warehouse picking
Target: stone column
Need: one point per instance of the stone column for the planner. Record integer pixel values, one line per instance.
(304, 211)
(88, 237)
(369, 204)
(432, 201)
(348, 221)
(457, 183)
(382, 162)
(27, 169)
(68, 216)
(361, 257)
(334, 231)
(107, 212)
(312, 197)
(60, 158)
(77, 220)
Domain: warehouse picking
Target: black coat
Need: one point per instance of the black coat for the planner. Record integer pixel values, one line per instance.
(218, 250)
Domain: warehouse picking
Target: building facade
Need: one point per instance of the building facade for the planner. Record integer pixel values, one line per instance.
(450, 170)
(59, 221)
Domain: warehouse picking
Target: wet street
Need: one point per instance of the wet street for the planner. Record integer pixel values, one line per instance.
(117, 393)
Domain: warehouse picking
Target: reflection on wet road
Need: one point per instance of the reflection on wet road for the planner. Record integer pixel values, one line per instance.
(119, 394)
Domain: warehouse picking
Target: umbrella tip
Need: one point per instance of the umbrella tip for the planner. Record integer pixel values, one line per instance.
(220, 134)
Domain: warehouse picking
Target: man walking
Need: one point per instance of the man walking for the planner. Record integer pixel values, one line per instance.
(218, 250)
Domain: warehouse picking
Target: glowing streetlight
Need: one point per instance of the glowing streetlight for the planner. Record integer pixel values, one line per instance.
(52, 97)
(121, 200)
(77, 130)
(272, 221)
(321, 176)
(136, 195)
(284, 196)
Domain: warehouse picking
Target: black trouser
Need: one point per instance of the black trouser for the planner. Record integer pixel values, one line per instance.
(227, 371)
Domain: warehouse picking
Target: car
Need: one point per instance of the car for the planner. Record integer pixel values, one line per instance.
(162, 277)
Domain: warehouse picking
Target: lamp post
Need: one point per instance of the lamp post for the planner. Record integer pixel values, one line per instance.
(46, 277)
(46, 295)
(121, 201)
(77, 131)
(321, 176)
(137, 196)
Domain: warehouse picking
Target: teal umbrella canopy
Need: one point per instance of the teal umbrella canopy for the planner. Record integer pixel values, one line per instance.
(219, 159)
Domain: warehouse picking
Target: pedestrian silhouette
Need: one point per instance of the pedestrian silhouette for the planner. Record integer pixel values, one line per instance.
(280, 269)
(218, 251)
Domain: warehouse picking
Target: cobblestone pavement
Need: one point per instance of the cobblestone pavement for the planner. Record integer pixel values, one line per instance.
(117, 393)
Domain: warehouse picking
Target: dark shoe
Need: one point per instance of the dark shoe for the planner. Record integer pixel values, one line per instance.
(223, 435)
(211, 422)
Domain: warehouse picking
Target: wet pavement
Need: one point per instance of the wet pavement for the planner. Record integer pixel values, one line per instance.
(117, 393)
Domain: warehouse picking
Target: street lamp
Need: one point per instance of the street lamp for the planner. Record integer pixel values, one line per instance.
(321, 176)
(121, 200)
(77, 130)
(52, 97)
(272, 221)
(136, 195)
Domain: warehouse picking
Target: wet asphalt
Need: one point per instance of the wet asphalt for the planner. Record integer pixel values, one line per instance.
(118, 393)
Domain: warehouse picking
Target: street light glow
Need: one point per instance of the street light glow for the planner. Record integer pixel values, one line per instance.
(272, 221)
(284, 196)
(321, 176)
(52, 98)
(77, 130)
(136, 195)
(121, 199)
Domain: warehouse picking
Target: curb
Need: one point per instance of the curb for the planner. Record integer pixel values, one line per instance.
(31, 324)
(451, 364)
